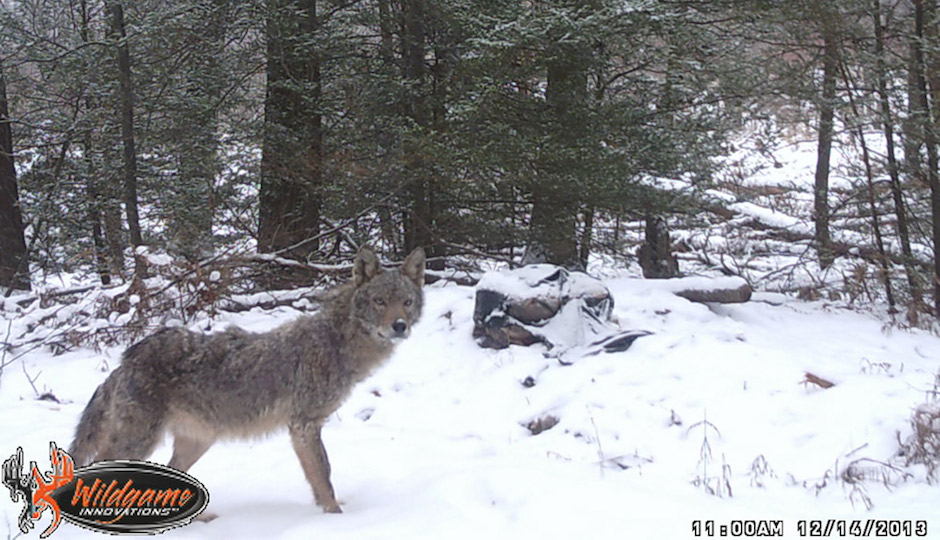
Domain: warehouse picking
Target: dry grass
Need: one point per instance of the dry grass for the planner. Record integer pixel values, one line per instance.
(923, 447)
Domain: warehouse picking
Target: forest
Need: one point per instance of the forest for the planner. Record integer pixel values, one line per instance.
(266, 141)
(216, 165)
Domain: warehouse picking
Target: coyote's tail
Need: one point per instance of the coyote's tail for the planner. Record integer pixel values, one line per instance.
(91, 428)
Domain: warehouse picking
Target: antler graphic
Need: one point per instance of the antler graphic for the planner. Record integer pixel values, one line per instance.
(21, 487)
(63, 471)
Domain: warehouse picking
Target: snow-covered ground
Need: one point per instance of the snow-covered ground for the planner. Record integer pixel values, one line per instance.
(705, 419)
(708, 418)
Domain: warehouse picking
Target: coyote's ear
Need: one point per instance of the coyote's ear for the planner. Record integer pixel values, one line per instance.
(413, 267)
(366, 266)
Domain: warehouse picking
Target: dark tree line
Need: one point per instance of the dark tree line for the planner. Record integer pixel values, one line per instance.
(304, 128)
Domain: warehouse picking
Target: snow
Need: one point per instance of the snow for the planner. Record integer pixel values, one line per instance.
(533, 280)
(569, 331)
(770, 217)
(698, 283)
(541, 281)
(766, 185)
(159, 259)
(434, 445)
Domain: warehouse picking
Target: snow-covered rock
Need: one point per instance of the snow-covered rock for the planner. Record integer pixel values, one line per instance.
(542, 303)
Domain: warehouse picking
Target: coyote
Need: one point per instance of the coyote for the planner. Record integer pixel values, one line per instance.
(237, 384)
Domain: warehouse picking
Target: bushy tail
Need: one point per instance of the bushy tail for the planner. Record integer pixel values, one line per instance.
(91, 428)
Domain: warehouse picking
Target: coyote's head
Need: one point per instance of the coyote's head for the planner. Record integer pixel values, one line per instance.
(387, 303)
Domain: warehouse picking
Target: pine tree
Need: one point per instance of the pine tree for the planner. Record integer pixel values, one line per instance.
(290, 198)
(580, 102)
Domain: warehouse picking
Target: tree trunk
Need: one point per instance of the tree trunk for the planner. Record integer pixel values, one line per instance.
(884, 262)
(552, 229)
(930, 139)
(655, 254)
(876, 226)
(126, 93)
(292, 153)
(385, 32)
(555, 196)
(893, 169)
(93, 194)
(419, 224)
(824, 147)
(192, 206)
(932, 59)
(587, 235)
(14, 260)
(113, 233)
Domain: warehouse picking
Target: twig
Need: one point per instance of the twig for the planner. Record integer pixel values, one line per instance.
(32, 380)
(5, 344)
(597, 439)
(473, 251)
(23, 301)
(856, 450)
(339, 227)
(342, 234)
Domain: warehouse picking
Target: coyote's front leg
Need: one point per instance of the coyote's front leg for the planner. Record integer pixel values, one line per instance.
(312, 454)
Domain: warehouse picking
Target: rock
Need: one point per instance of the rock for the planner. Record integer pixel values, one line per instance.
(534, 310)
(540, 303)
(569, 312)
(539, 425)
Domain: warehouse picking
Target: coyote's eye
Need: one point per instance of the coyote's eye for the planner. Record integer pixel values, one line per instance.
(379, 301)
(408, 302)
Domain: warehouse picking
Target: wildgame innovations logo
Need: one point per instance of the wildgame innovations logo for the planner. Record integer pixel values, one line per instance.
(117, 497)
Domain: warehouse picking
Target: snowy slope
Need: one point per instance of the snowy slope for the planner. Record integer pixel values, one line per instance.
(435, 445)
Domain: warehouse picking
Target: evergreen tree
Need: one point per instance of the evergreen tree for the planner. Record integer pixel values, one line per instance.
(577, 103)
(292, 164)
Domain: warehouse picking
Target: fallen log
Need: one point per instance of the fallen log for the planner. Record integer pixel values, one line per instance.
(724, 290)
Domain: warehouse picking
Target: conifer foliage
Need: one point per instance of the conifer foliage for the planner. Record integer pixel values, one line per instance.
(525, 131)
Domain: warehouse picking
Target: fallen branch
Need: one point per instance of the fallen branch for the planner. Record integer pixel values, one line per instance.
(244, 260)
(724, 290)
(840, 249)
(24, 301)
(735, 295)
(809, 378)
(466, 278)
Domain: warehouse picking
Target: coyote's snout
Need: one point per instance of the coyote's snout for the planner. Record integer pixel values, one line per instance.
(237, 384)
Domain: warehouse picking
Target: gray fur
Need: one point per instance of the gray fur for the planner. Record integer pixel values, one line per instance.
(238, 384)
